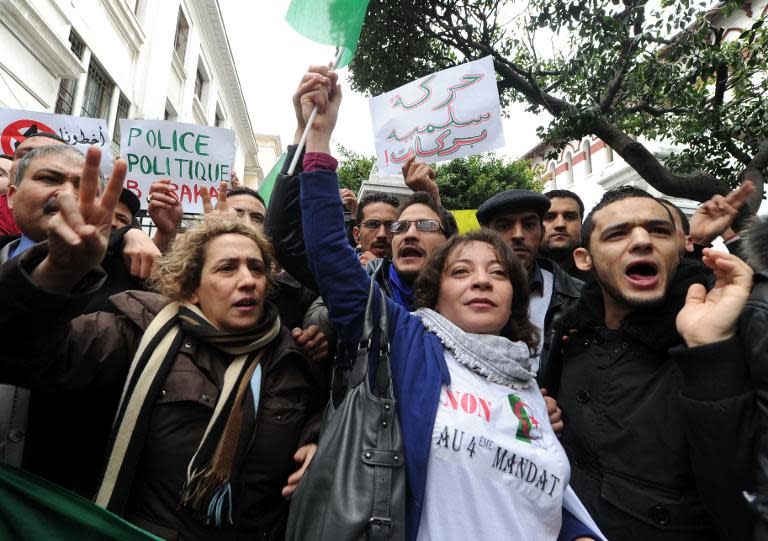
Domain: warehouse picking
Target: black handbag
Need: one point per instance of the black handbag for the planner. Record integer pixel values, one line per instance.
(354, 488)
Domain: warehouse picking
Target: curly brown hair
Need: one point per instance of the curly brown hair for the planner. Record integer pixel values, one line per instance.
(427, 287)
(177, 275)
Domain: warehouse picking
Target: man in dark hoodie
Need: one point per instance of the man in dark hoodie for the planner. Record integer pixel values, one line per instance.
(652, 381)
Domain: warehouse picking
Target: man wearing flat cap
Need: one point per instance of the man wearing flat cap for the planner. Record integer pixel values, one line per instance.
(517, 217)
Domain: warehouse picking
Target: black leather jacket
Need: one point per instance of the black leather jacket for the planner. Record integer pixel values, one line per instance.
(283, 223)
(566, 292)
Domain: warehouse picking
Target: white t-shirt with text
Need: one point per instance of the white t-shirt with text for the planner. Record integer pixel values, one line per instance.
(496, 470)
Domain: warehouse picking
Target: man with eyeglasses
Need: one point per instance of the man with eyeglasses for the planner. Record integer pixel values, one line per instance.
(374, 217)
(517, 217)
(421, 226)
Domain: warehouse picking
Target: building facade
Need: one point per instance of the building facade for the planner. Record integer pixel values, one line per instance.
(113, 59)
(589, 168)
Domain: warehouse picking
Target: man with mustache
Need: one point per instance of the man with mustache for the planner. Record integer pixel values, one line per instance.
(421, 225)
(652, 379)
(136, 248)
(7, 223)
(517, 217)
(41, 173)
(48, 170)
(374, 216)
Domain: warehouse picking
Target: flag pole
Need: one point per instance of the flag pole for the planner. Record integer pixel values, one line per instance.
(311, 120)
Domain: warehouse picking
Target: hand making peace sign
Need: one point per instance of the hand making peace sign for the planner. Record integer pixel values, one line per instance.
(78, 234)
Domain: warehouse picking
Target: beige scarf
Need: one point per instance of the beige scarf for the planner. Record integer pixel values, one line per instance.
(207, 487)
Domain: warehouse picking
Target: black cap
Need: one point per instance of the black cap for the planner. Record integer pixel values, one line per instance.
(512, 200)
(130, 200)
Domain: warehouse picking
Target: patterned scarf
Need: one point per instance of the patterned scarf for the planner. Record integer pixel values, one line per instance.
(209, 473)
(495, 358)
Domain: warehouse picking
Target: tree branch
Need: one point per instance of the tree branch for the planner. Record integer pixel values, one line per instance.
(698, 185)
(625, 59)
(737, 152)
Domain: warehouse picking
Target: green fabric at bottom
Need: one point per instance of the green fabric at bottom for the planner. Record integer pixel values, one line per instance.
(34, 509)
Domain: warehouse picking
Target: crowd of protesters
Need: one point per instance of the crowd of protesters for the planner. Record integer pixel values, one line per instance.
(180, 381)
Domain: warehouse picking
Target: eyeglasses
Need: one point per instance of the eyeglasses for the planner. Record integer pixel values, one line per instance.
(374, 225)
(424, 226)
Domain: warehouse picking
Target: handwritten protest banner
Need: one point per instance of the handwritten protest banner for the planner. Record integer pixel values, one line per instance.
(190, 155)
(450, 114)
(82, 132)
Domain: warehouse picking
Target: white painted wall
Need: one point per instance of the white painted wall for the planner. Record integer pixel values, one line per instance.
(137, 52)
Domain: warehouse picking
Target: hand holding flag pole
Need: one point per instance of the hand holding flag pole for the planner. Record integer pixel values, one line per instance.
(332, 22)
(294, 162)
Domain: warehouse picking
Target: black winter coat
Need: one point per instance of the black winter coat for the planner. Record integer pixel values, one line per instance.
(79, 448)
(754, 332)
(566, 292)
(660, 436)
(283, 223)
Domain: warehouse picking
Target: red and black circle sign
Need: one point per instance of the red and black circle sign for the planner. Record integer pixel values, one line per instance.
(15, 132)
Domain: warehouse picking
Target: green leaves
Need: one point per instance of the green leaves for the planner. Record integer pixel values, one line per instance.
(353, 168)
(464, 183)
(673, 70)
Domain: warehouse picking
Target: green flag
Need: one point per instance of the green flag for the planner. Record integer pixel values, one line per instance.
(332, 22)
(268, 184)
(34, 509)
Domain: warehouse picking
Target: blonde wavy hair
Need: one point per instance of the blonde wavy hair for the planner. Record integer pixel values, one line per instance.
(177, 275)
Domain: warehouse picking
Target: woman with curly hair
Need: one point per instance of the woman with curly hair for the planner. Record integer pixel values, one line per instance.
(481, 459)
(215, 396)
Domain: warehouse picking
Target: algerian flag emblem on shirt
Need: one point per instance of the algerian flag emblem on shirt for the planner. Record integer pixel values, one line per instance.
(527, 421)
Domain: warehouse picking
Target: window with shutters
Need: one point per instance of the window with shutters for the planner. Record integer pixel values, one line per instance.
(98, 92)
(123, 108)
(182, 35)
(65, 99)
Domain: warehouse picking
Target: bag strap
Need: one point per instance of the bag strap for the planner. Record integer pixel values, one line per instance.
(368, 323)
(383, 387)
(380, 523)
(359, 370)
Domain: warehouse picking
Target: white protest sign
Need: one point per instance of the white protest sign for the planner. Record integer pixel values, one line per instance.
(81, 132)
(450, 114)
(192, 156)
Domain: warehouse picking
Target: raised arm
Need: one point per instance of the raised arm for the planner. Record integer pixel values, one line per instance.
(283, 221)
(341, 280)
(42, 290)
(283, 224)
(44, 347)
